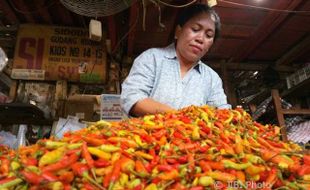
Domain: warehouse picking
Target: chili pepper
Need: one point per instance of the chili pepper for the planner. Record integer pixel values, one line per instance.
(134, 183)
(219, 125)
(101, 163)
(240, 176)
(305, 170)
(52, 144)
(107, 179)
(147, 138)
(30, 161)
(171, 175)
(49, 176)
(205, 166)
(114, 175)
(32, 177)
(197, 188)
(88, 186)
(140, 169)
(151, 186)
(115, 157)
(99, 153)
(171, 160)
(215, 165)
(281, 160)
(162, 141)
(109, 148)
(254, 159)
(165, 167)
(196, 133)
(5, 166)
(189, 146)
(66, 177)
(160, 133)
(52, 156)
(138, 140)
(74, 146)
(306, 159)
(86, 155)
(266, 144)
(9, 182)
(253, 170)
(127, 142)
(272, 177)
(104, 171)
(93, 141)
(15, 165)
(236, 166)
(205, 181)
(82, 170)
(65, 162)
(143, 155)
(127, 165)
(221, 176)
(224, 138)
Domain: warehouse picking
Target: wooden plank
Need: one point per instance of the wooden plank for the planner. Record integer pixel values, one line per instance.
(13, 90)
(298, 49)
(134, 14)
(296, 111)
(8, 13)
(279, 111)
(270, 23)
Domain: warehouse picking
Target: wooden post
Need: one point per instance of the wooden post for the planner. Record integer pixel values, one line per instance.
(228, 86)
(278, 108)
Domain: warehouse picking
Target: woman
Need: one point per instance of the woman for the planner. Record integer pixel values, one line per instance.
(165, 79)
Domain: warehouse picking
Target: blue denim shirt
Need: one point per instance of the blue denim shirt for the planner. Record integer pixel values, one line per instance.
(156, 74)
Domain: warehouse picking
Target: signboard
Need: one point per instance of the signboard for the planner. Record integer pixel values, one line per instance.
(111, 107)
(60, 53)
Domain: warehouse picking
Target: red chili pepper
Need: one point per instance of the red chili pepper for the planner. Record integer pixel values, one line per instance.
(183, 159)
(205, 166)
(79, 168)
(106, 180)
(49, 176)
(186, 119)
(94, 141)
(101, 163)
(63, 163)
(114, 175)
(219, 125)
(30, 162)
(158, 134)
(171, 160)
(178, 135)
(306, 159)
(86, 155)
(66, 177)
(88, 186)
(147, 138)
(32, 177)
(197, 188)
(8, 179)
(304, 170)
(224, 138)
(163, 168)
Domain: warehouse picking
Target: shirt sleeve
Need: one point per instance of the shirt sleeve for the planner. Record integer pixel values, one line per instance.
(218, 97)
(139, 83)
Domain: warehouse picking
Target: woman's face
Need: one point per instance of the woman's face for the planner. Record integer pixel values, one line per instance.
(195, 38)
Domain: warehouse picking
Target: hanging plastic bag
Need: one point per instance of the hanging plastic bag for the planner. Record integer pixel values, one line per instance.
(3, 59)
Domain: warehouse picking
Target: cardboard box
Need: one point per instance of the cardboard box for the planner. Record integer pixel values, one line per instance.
(58, 53)
(85, 107)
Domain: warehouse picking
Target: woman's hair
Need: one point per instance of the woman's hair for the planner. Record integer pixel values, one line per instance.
(196, 9)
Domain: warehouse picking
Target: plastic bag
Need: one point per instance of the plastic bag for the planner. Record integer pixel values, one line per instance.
(7, 138)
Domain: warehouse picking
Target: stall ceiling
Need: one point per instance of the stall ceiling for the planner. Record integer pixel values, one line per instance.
(256, 34)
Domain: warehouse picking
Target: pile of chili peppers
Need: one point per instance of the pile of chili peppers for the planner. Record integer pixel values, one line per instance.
(195, 148)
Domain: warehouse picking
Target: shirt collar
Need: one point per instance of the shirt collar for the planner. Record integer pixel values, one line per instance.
(170, 53)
